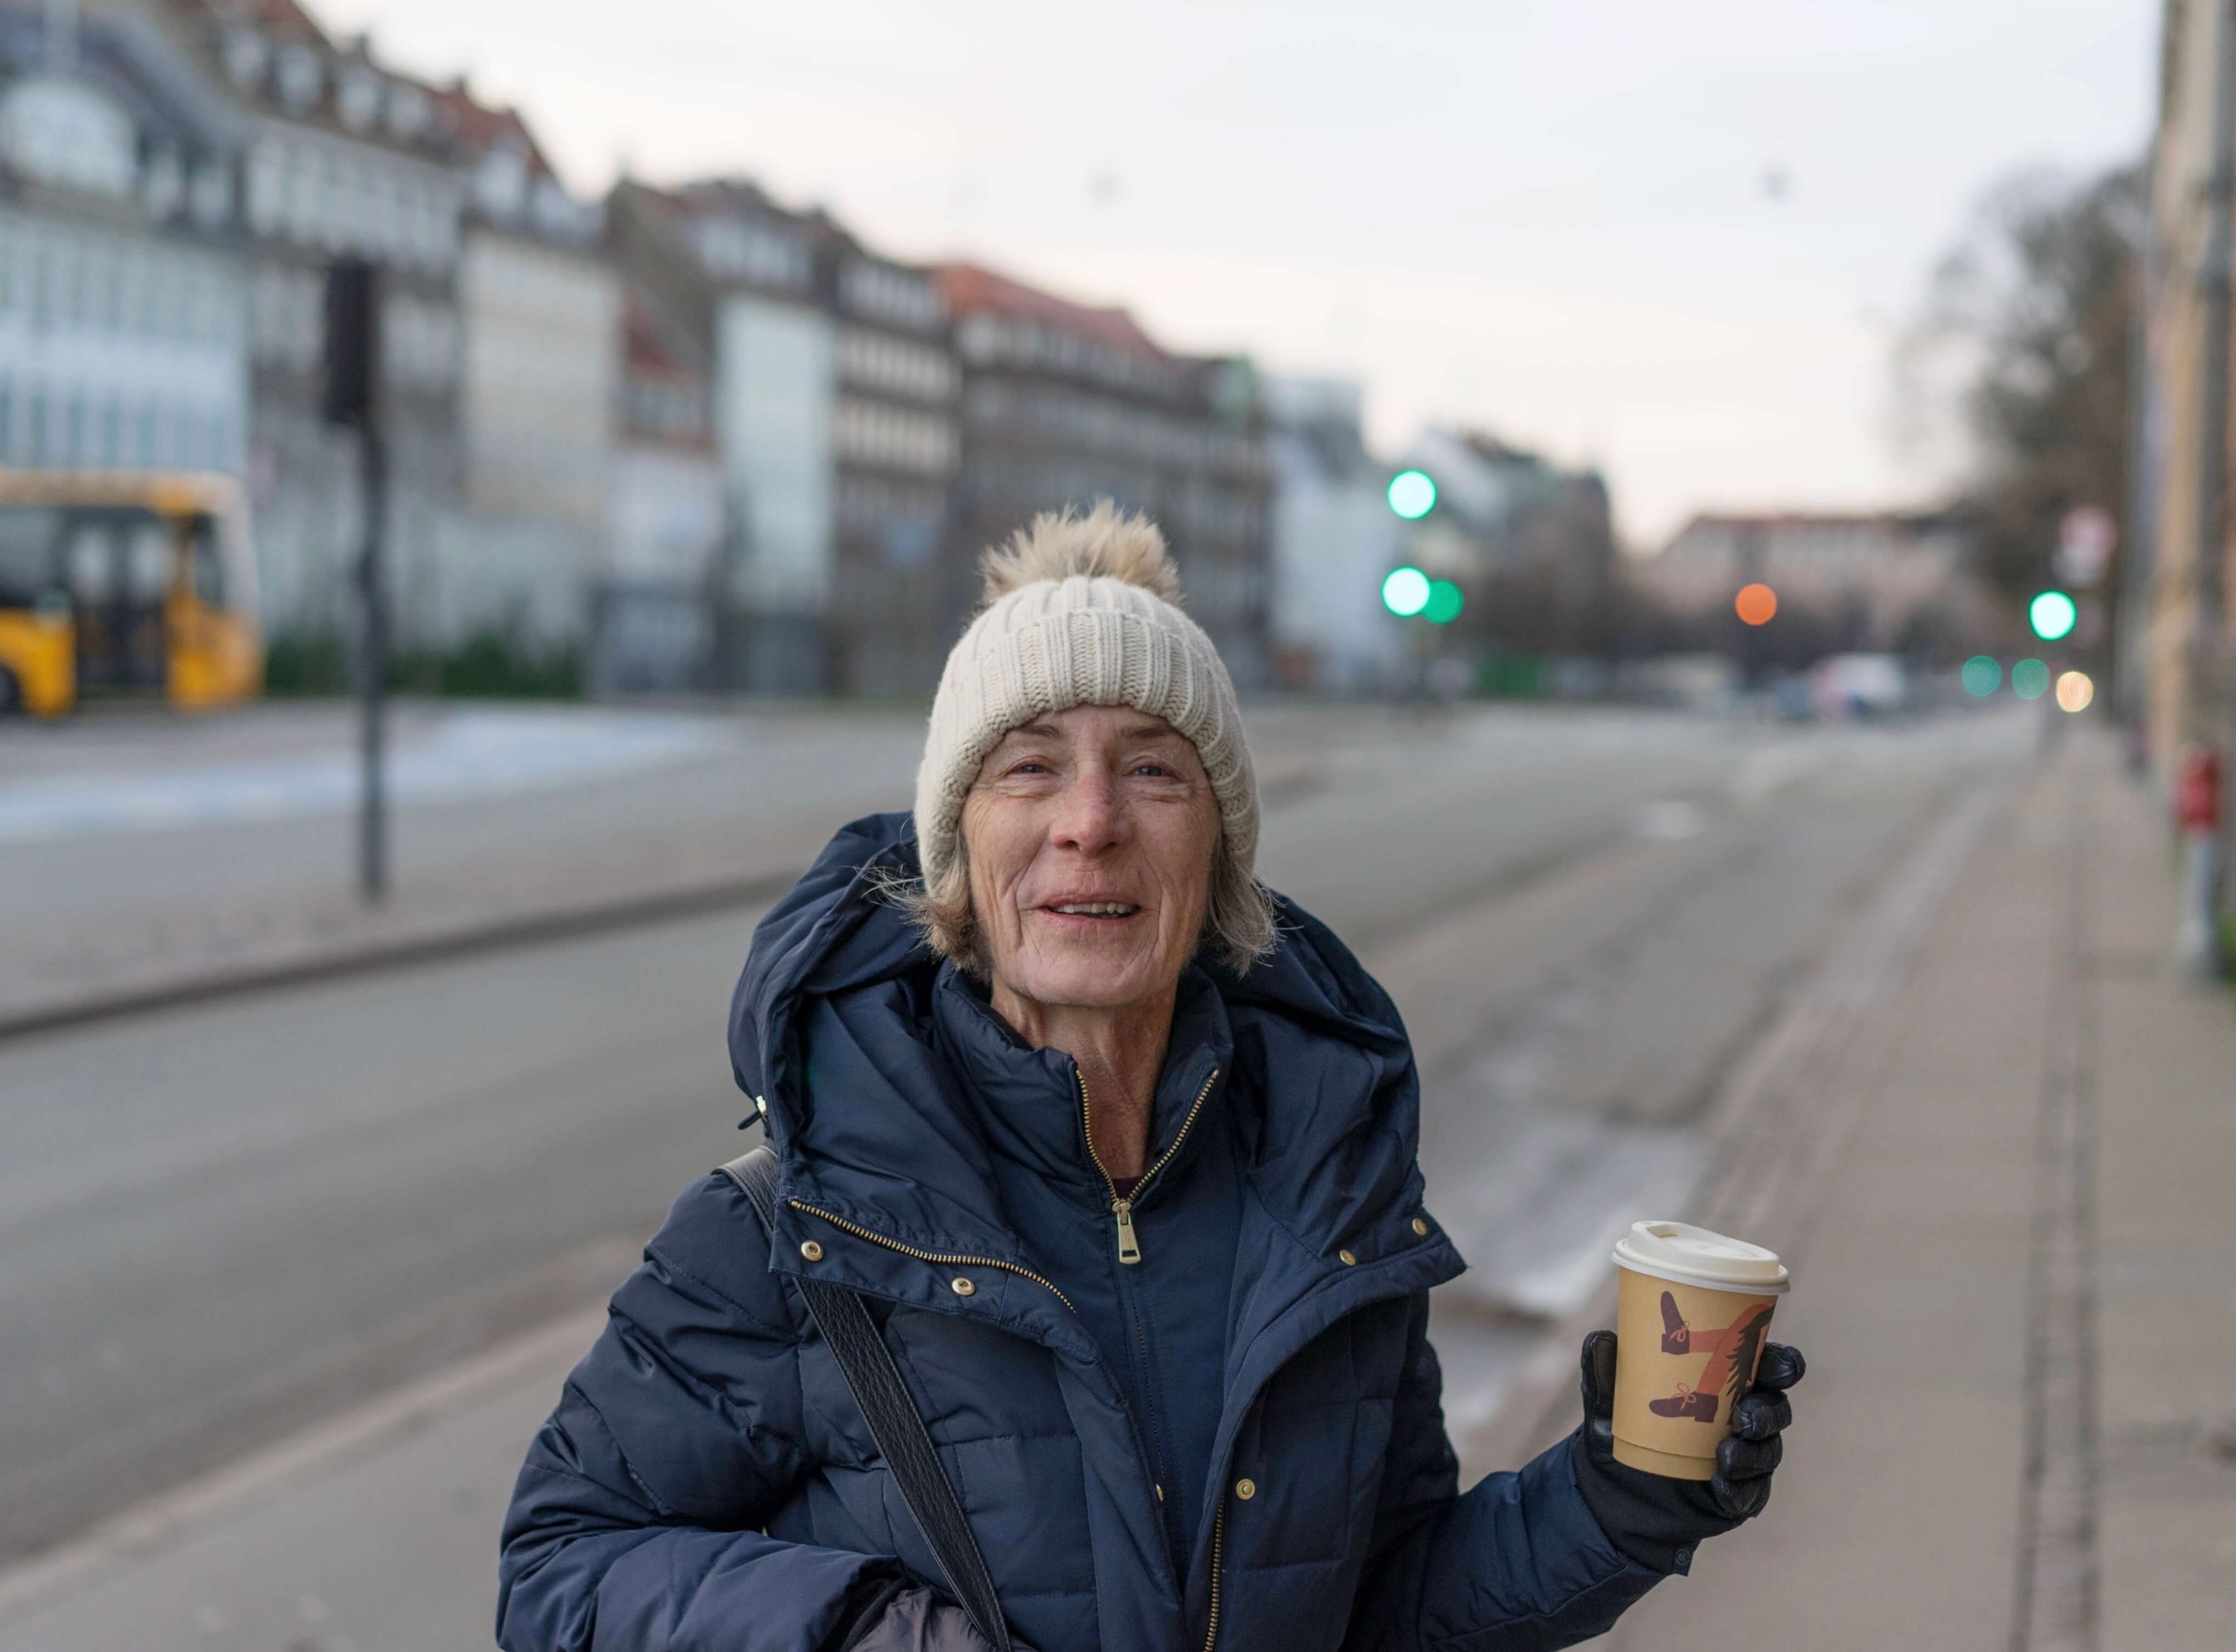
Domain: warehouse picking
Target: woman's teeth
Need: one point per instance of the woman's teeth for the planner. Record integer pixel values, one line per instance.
(1098, 909)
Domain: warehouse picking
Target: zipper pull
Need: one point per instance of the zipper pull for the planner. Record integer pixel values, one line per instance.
(1129, 1248)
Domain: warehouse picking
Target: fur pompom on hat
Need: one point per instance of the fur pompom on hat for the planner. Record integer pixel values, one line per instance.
(1081, 611)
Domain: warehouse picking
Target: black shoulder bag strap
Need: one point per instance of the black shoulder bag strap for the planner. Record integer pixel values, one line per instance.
(892, 1416)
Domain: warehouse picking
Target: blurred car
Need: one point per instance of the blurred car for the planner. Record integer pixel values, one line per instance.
(1860, 686)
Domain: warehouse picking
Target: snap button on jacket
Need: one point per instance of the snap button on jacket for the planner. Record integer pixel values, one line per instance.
(708, 1484)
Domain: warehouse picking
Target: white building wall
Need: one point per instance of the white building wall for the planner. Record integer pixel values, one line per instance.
(119, 350)
(1334, 541)
(773, 393)
(540, 379)
(666, 519)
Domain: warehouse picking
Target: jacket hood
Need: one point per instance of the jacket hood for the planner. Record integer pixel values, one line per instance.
(831, 1032)
(834, 932)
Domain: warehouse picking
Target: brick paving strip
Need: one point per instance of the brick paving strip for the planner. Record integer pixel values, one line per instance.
(2055, 1609)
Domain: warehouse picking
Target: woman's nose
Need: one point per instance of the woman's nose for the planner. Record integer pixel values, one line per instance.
(1087, 816)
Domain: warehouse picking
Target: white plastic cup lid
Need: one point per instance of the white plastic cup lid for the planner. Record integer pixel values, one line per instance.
(1691, 1255)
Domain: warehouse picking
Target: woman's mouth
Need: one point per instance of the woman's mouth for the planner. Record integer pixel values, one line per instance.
(1091, 909)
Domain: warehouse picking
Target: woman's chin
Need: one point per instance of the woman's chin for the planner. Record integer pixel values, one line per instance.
(1089, 973)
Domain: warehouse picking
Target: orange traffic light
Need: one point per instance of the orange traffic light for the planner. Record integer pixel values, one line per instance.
(1756, 603)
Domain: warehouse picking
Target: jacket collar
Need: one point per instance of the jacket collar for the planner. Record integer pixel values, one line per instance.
(1030, 1100)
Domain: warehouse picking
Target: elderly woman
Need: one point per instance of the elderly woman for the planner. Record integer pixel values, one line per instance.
(1118, 1148)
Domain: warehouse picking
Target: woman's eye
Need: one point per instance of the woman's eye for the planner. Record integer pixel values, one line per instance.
(1157, 769)
(1030, 766)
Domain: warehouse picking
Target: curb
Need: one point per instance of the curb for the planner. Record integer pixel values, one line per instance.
(310, 967)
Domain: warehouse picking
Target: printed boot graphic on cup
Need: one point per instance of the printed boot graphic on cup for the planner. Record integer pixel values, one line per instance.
(1732, 1353)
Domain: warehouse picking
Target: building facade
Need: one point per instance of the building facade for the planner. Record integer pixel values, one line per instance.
(1064, 403)
(123, 298)
(338, 156)
(833, 390)
(2178, 653)
(1888, 580)
(1334, 541)
(667, 524)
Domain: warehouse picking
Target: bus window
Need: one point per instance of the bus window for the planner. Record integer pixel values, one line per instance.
(91, 562)
(147, 562)
(206, 569)
(27, 555)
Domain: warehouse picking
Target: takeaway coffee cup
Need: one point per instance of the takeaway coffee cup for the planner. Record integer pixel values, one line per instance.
(1693, 1314)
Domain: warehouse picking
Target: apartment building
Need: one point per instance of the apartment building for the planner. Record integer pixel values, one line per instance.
(123, 296)
(1064, 403)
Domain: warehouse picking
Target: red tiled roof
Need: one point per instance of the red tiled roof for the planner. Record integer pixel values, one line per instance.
(475, 127)
(971, 287)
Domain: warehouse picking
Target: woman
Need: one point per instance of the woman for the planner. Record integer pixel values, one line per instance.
(1121, 1148)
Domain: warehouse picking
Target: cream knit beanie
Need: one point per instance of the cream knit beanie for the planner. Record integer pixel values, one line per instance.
(1081, 611)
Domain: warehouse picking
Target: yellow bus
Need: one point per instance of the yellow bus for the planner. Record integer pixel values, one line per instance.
(114, 584)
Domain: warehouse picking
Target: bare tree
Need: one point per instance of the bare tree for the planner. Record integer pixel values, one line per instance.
(2025, 335)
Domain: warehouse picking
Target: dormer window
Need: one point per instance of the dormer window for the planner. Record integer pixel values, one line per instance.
(357, 97)
(407, 111)
(66, 134)
(555, 212)
(247, 57)
(501, 182)
(301, 77)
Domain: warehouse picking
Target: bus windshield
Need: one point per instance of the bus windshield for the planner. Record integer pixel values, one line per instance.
(28, 533)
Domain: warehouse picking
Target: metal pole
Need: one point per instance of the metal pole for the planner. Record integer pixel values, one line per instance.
(373, 670)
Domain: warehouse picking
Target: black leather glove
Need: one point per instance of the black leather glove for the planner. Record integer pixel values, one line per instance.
(898, 1618)
(1657, 1521)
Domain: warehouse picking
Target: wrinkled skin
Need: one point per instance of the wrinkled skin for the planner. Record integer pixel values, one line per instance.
(1099, 804)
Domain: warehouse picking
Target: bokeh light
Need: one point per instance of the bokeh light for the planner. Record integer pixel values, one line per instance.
(2074, 691)
(2053, 614)
(1982, 675)
(1444, 603)
(1412, 493)
(2029, 679)
(1406, 593)
(1755, 603)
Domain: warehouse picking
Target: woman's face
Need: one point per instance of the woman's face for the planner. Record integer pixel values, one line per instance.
(1090, 835)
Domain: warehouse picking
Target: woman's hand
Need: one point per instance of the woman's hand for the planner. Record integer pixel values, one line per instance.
(904, 1619)
(1657, 1521)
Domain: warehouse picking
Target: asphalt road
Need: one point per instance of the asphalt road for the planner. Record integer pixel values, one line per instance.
(220, 1223)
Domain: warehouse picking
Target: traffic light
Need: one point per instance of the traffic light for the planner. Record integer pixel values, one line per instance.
(353, 341)
(1412, 493)
(1406, 593)
(1756, 604)
(2053, 615)
(1444, 603)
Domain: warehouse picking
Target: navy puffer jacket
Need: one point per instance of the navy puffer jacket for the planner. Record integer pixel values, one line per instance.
(708, 1484)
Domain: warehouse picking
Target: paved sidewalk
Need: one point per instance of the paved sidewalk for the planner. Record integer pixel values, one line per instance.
(2014, 1241)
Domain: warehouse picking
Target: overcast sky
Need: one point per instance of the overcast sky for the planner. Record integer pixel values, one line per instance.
(1545, 218)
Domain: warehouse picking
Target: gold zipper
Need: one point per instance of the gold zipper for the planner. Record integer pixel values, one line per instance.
(927, 1256)
(1129, 1244)
(1218, 1543)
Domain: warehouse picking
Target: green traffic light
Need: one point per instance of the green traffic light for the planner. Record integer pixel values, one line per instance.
(1983, 675)
(1412, 493)
(2029, 679)
(2053, 614)
(1444, 603)
(1407, 592)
